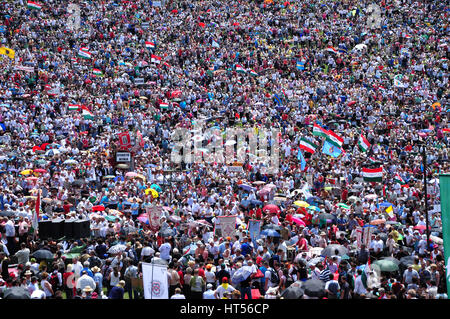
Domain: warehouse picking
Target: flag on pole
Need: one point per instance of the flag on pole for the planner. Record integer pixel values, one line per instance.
(252, 72)
(319, 131)
(308, 145)
(301, 159)
(125, 140)
(155, 59)
(363, 144)
(277, 99)
(365, 273)
(331, 149)
(34, 5)
(398, 179)
(97, 72)
(372, 174)
(398, 81)
(74, 107)
(140, 139)
(301, 65)
(331, 49)
(390, 211)
(8, 52)
(334, 139)
(215, 44)
(84, 53)
(164, 105)
(87, 114)
(240, 69)
(149, 45)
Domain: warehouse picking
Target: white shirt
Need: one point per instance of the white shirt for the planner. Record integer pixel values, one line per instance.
(209, 294)
(178, 296)
(10, 231)
(359, 287)
(165, 251)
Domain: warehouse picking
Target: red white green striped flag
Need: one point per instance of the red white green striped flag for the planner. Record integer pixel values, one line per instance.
(84, 53)
(252, 72)
(331, 49)
(164, 105)
(399, 179)
(363, 144)
(97, 72)
(34, 5)
(446, 130)
(372, 174)
(319, 131)
(334, 139)
(308, 145)
(240, 69)
(149, 45)
(74, 107)
(155, 59)
(87, 114)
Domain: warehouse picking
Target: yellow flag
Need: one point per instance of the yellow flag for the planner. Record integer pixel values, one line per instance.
(9, 52)
(389, 211)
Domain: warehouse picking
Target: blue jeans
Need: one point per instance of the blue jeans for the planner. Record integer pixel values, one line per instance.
(246, 291)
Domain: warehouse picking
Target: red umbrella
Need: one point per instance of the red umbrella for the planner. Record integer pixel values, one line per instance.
(40, 170)
(44, 146)
(36, 148)
(351, 103)
(202, 24)
(98, 208)
(420, 227)
(271, 208)
(298, 221)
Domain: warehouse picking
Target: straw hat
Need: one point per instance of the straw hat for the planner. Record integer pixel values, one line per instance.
(95, 269)
(122, 283)
(88, 289)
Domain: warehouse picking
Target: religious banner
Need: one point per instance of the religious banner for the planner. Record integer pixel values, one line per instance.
(359, 234)
(254, 228)
(155, 281)
(225, 226)
(367, 235)
(154, 214)
(125, 140)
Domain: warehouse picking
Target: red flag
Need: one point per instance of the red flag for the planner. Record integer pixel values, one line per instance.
(38, 204)
(202, 24)
(125, 140)
(140, 139)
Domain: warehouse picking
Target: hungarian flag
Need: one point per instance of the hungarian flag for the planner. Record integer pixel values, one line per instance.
(319, 131)
(87, 114)
(155, 59)
(149, 45)
(240, 69)
(446, 130)
(307, 145)
(334, 139)
(125, 140)
(372, 174)
(163, 105)
(34, 5)
(252, 72)
(84, 53)
(97, 72)
(363, 144)
(399, 179)
(166, 64)
(74, 107)
(331, 49)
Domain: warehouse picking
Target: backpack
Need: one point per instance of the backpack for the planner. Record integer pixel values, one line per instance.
(54, 281)
(274, 278)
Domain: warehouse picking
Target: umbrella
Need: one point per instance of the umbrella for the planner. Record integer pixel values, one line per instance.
(70, 162)
(301, 203)
(298, 221)
(241, 274)
(117, 249)
(407, 260)
(111, 218)
(371, 196)
(7, 213)
(420, 227)
(156, 188)
(26, 172)
(270, 233)
(326, 216)
(377, 221)
(79, 182)
(436, 240)
(334, 250)
(131, 174)
(16, 293)
(272, 227)
(143, 219)
(315, 261)
(109, 177)
(98, 208)
(246, 187)
(314, 288)
(259, 183)
(31, 179)
(393, 259)
(141, 177)
(342, 205)
(166, 232)
(123, 166)
(386, 204)
(280, 199)
(293, 292)
(42, 254)
(40, 170)
(317, 209)
(175, 218)
(273, 209)
(154, 193)
(314, 200)
(353, 199)
(52, 152)
(386, 265)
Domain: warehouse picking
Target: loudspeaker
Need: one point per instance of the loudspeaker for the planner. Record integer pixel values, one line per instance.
(44, 229)
(76, 229)
(85, 228)
(68, 229)
(57, 229)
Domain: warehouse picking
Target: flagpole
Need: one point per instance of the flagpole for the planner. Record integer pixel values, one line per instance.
(424, 159)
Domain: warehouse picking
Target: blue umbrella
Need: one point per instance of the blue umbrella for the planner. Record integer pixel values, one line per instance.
(386, 204)
(156, 188)
(246, 187)
(270, 233)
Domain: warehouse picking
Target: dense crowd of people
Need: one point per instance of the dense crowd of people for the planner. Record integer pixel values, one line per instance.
(67, 92)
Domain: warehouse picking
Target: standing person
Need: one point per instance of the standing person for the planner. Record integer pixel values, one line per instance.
(117, 291)
(10, 233)
(209, 293)
(224, 288)
(174, 279)
(23, 255)
(98, 278)
(23, 230)
(165, 249)
(197, 285)
(332, 288)
(177, 294)
(69, 282)
(46, 286)
(113, 278)
(4, 264)
(359, 290)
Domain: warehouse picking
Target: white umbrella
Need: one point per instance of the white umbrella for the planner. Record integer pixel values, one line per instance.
(52, 152)
(70, 162)
(230, 142)
(117, 249)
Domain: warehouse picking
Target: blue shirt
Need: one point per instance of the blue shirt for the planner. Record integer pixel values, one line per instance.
(246, 249)
(116, 293)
